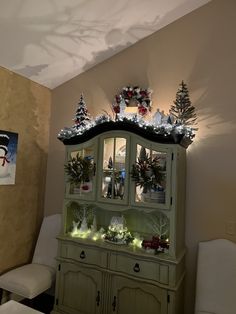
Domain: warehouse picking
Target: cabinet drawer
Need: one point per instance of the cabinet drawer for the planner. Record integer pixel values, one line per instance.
(84, 254)
(140, 268)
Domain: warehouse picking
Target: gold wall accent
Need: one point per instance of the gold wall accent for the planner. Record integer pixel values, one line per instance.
(24, 109)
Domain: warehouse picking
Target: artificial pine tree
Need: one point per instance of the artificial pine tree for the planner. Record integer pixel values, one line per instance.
(81, 116)
(182, 110)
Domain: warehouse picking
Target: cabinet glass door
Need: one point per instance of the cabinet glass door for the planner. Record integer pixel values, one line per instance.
(114, 168)
(151, 173)
(82, 161)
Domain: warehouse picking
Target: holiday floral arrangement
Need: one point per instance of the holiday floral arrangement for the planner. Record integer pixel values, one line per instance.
(79, 169)
(176, 126)
(142, 98)
(146, 172)
(159, 225)
(158, 244)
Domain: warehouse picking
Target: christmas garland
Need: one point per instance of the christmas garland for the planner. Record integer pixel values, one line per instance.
(142, 97)
(176, 127)
(80, 169)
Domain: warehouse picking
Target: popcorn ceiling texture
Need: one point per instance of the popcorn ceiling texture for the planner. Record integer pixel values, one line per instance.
(24, 109)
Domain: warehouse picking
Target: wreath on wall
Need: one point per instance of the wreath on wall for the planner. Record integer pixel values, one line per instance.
(141, 97)
(79, 169)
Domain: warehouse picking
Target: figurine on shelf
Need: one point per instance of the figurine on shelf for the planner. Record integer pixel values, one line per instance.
(84, 224)
(157, 117)
(109, 190)
(94, 225)
(75, 227)
(110, 163)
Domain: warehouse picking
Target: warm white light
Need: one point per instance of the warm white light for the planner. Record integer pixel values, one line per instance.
(131, 110)
(81, 234)
(137, 242)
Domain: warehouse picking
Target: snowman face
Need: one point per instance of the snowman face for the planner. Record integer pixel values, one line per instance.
(2, 152)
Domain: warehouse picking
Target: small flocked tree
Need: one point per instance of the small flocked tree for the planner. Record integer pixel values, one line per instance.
(81, 115)
(182, 110)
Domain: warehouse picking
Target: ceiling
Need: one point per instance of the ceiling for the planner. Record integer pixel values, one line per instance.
(52, 41)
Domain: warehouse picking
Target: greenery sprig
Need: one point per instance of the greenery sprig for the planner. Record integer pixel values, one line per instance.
(146, 172)
(79, 169)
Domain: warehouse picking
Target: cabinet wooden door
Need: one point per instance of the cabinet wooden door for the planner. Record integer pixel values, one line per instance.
(131, 296)
(79, 290)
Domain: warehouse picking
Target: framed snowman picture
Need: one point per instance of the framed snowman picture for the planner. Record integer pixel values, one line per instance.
(8, 150)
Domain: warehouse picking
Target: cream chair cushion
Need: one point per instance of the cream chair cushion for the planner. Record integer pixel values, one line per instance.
(32, 279)
(13, 307)
(28, 280)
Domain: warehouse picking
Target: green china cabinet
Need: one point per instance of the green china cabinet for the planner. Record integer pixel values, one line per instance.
(122, 246)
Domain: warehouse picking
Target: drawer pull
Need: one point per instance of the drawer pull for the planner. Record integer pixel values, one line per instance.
(114, 304)
(136, 268)
(82, 255)
(98, 298)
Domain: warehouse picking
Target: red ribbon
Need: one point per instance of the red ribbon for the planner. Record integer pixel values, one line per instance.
(4, 160)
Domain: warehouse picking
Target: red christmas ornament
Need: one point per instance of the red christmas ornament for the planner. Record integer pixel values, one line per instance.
(117, 98)
(156, 243)
(143, 93)
(142, 110)
(116, 109)
(147, 244)
(130, 94)
(85, 187)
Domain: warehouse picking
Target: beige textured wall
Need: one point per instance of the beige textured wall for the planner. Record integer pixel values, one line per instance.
(24, 109)
(199, 48)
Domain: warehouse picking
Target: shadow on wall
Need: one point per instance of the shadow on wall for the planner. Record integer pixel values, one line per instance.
(61, 31)
(32, 70)
(211, 171)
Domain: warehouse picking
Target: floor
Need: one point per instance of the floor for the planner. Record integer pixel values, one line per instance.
(42, 303)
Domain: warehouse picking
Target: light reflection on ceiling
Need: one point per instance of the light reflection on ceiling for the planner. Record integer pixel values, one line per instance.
(52, 41)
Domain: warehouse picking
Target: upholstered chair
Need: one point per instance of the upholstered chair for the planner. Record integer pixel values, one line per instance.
(216, 277)
(32, 279)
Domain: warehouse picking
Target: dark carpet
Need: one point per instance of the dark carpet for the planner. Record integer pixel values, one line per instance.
(43, 303)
